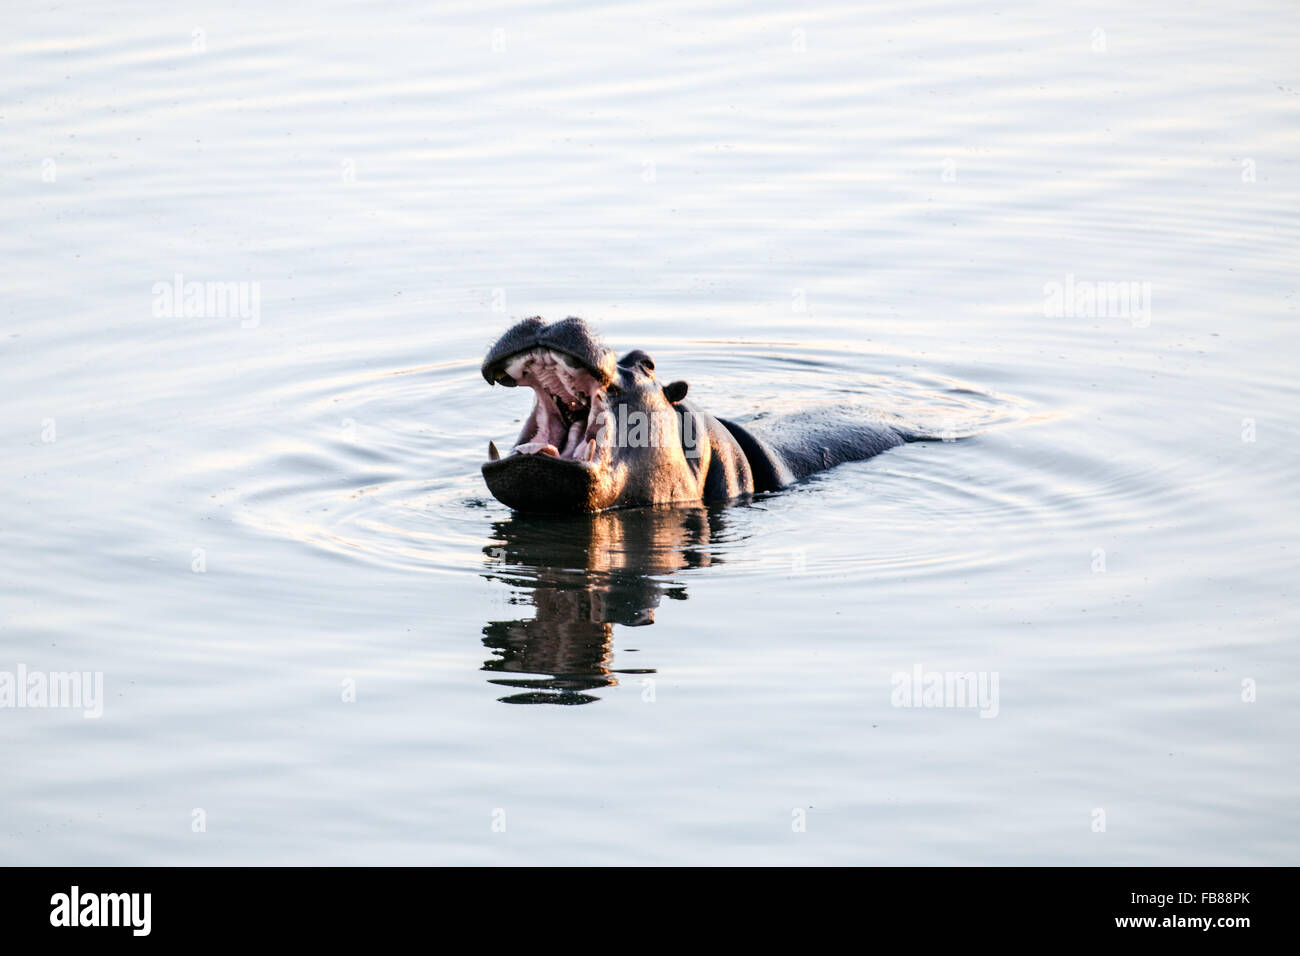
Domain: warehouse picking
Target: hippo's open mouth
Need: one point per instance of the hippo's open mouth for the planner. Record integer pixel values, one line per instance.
(570, 407)
(562, 458)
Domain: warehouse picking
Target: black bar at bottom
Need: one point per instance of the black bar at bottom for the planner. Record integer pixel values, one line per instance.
(333, 906)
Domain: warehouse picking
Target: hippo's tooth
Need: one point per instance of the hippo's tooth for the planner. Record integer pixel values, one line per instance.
(493, 454)
(571, 443)
(590, 453)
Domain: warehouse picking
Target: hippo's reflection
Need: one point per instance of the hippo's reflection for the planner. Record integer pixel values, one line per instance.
(584, 574)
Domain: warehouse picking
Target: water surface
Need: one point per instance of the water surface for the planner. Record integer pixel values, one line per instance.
(269, 533)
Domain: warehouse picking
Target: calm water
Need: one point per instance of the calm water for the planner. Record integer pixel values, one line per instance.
(268, 531)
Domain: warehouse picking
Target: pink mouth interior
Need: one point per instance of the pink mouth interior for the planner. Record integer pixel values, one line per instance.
(570, 409)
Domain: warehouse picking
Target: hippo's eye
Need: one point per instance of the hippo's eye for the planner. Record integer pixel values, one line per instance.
(637, 357)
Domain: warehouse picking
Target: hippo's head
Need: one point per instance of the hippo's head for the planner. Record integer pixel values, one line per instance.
(602, 434)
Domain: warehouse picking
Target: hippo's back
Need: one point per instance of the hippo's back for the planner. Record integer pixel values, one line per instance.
(785, 448)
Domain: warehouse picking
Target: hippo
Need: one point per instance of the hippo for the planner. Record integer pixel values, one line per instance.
(605, 434)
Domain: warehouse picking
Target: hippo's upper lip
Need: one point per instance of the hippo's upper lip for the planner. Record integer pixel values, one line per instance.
(570, 339)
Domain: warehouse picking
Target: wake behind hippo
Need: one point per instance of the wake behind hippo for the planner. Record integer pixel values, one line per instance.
(606, 434)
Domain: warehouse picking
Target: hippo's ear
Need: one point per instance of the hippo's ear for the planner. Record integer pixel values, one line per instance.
(675, 391)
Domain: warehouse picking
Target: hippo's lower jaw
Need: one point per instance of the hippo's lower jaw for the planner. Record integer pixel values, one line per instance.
(542, 483)
(561, 460)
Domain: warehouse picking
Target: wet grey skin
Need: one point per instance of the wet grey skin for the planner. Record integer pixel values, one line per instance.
(606, 434)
